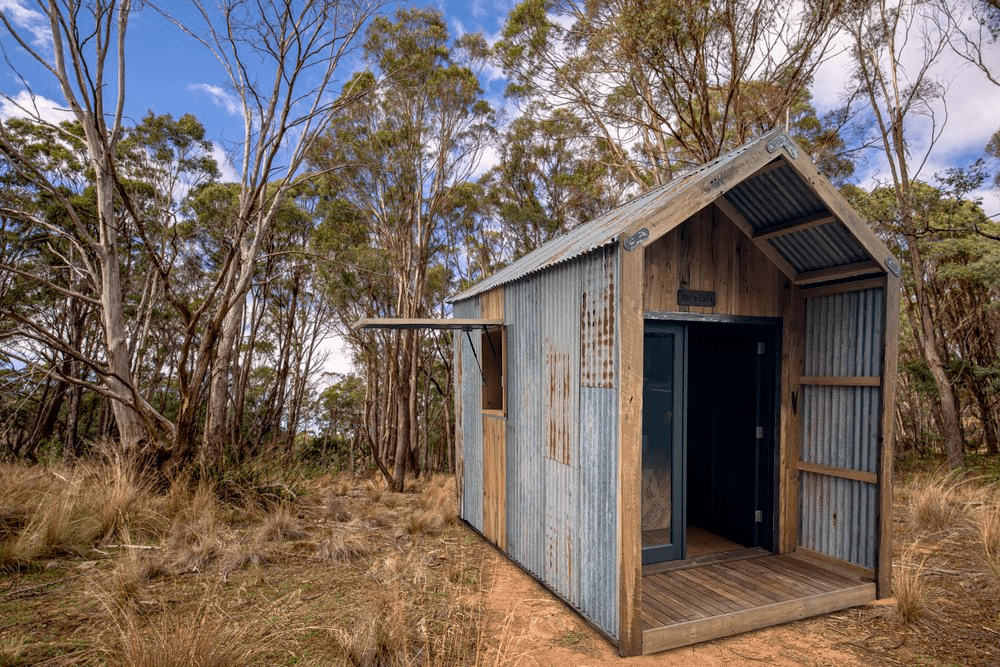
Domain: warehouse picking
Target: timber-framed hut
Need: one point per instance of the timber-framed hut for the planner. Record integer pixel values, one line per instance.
(678, 416)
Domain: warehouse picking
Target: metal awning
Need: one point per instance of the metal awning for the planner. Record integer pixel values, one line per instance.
(466, 324)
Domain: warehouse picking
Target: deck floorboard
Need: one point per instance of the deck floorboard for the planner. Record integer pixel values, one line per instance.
(693, 604)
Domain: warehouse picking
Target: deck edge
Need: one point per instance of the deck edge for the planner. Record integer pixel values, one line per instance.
(692, 632)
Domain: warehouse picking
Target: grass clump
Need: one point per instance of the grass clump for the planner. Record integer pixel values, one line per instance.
(207, 638)
(195, 536)
(909, 587)
(345, 544)
(940, 502)
(51, 512)
(988, 528)
(281, 526)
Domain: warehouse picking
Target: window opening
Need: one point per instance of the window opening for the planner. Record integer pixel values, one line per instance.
(492, 369)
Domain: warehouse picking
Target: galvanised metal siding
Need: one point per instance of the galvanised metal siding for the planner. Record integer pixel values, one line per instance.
(838, 518)
(560, 317)
(840, 424)
(820, 247)
(472, 418)
(844, 333)
(599, 507)
(773, 198)
(525, 490)
(562, 452)
(841, 427)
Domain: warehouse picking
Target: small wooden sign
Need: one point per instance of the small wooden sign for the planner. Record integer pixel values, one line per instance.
(688, 297)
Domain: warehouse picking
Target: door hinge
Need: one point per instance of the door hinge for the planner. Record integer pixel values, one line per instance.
(758, 516)
(760, 348)
(760, 432)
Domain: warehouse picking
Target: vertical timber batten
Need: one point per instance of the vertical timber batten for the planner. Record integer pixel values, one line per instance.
(791, 401)
(459, 438)
(494, 439)
(630, 302)
(883, 561)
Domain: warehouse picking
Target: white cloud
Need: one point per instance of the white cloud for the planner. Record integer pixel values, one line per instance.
(338, 355)
(219, 96)
(26, 105)
(27, 19)
(962, 124)
(489, 159)
(227, 171)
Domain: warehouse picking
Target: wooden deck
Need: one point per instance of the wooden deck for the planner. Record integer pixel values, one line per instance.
(699, 601)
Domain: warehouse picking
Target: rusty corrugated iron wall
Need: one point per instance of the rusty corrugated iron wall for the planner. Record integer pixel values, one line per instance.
(562, 430)
(844, 338)
(472, 416)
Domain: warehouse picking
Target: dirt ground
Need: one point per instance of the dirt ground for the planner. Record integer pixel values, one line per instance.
(539, 630)
(357, 575)
(959, 622)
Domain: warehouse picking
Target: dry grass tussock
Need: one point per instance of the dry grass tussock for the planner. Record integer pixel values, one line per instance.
(944, 502)
(347, 543)
(397, 627)
(195, 537)
(946, 608)
(207, 638)
(119, 590)
(52, 512)
(988, 528)
(436, 507)
(281, 525)
(909, 586)
(351, 573)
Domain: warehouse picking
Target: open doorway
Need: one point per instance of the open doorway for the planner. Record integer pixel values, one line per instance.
(730, 437)
(709, 433)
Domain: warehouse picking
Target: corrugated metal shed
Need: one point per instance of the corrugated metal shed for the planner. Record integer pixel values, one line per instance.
(774, 198)
(844, 334)
(601, 231)
(563, 452)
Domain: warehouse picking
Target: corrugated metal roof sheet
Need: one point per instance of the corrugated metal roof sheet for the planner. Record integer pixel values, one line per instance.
(774, 197)
(820, 247)
(600, 231)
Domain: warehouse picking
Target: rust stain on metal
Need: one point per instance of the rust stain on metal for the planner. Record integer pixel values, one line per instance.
(597, 327)
(557, 425)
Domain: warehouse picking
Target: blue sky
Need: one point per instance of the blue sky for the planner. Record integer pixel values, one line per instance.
(169, 72)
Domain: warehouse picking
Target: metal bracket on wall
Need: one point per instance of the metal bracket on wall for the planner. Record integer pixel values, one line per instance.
(475, 356)
(482, 374)
(632, 242)
(782, 140)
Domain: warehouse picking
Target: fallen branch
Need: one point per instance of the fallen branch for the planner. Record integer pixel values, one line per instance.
(37, 590)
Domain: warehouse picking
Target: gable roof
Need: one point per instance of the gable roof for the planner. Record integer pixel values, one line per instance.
(769, 188)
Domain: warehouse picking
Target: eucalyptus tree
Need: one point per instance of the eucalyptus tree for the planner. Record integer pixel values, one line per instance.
(86, 57)
(280, 57)
(666, 85)
(897, 48)
(550, 178)
(396, 162)
(961, 289)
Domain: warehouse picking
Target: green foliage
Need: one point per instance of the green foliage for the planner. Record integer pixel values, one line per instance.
(669, 86)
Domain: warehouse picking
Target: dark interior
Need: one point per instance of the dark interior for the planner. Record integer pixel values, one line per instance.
(730, 470)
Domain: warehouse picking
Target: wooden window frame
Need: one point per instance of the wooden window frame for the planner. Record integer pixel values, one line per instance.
(494, 369)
